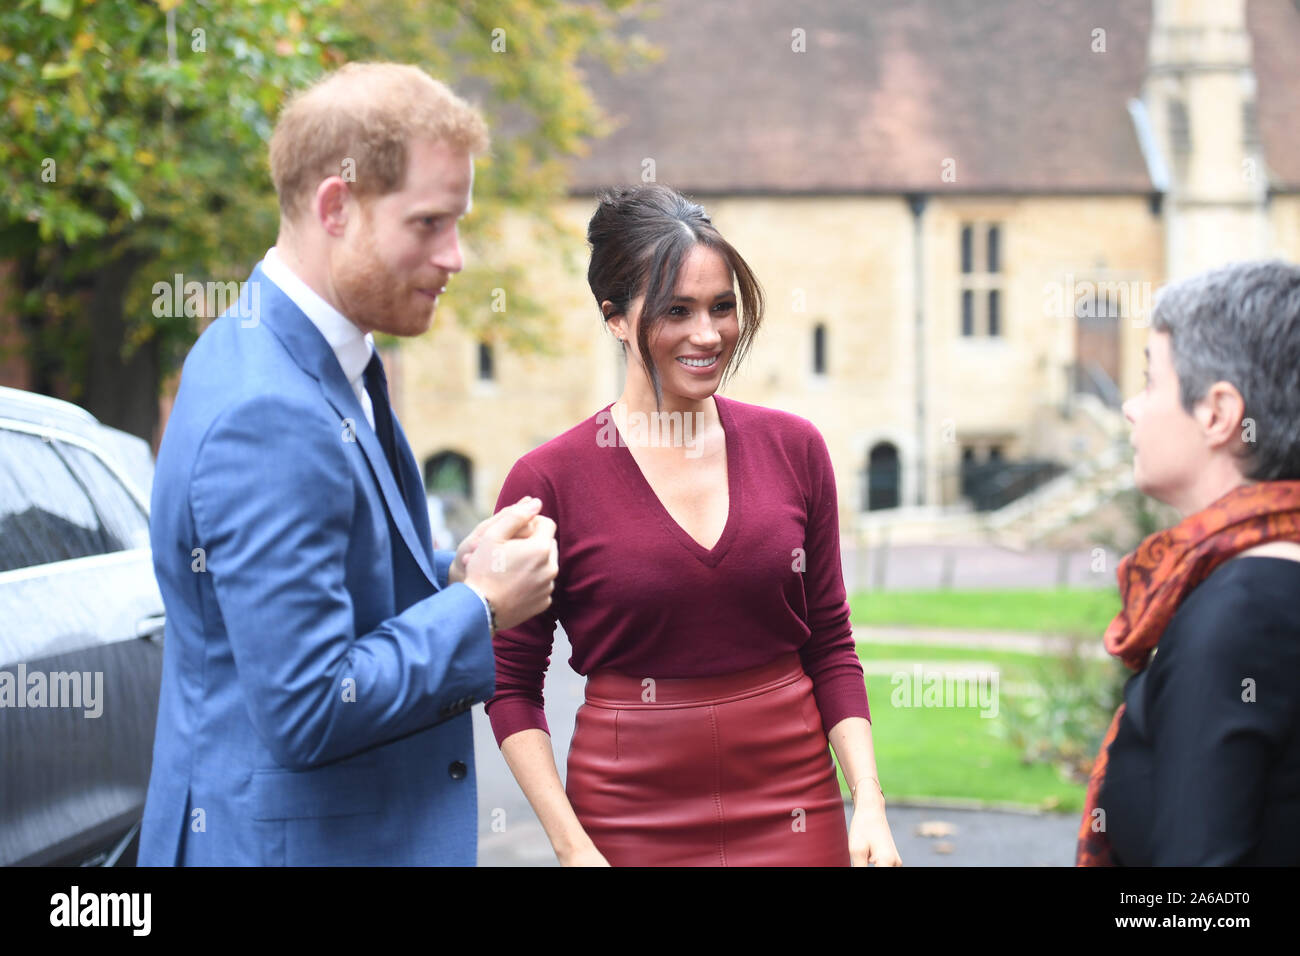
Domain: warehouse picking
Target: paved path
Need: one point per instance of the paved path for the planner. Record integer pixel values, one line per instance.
(926, 567)
(984, 640)
(510, 834)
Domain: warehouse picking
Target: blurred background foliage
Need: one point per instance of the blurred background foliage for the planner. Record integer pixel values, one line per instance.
(134, 141)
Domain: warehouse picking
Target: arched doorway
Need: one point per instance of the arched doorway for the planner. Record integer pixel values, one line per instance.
(449, 473)
(883, 474)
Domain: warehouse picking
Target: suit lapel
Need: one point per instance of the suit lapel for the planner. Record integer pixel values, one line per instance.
(315, 357)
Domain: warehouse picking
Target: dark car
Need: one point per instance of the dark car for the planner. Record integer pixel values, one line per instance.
(81, 624)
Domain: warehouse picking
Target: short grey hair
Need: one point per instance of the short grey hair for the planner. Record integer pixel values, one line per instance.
(1241, 324)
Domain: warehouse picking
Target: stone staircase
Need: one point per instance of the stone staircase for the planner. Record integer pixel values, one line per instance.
(1067, 499)
(1103, 467)
(1094, 437)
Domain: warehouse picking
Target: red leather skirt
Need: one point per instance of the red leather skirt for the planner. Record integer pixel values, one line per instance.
(714, 771)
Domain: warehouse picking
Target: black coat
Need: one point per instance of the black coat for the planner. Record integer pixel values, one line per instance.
(1205, 767)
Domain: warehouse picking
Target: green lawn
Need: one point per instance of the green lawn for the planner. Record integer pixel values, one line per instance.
(1082, 612)
(954, 752)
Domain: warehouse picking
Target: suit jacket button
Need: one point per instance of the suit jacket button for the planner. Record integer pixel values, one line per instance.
(457, 770)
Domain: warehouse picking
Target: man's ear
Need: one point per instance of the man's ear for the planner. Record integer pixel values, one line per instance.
(1220, 415)
(332, 205)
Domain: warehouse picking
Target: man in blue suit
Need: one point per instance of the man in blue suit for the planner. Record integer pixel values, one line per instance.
(321, 658)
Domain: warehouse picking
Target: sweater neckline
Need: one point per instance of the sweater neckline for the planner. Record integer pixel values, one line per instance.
(641, 488)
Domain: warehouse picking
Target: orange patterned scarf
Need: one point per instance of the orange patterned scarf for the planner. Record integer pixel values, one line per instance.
(1153, 581)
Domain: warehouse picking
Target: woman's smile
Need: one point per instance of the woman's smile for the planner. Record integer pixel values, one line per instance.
(700, 366)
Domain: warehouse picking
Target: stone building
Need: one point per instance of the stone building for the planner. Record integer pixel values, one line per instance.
(959, 211)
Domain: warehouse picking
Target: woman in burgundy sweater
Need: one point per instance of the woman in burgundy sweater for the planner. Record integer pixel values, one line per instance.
(699, 584)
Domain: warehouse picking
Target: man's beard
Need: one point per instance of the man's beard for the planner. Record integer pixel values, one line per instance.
(372, 295)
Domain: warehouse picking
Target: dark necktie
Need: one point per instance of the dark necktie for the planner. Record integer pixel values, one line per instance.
(377, 386)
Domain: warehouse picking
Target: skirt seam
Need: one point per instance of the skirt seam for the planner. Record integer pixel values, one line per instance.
(717, 786)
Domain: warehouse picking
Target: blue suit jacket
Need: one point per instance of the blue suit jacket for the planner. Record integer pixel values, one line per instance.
(318, 671)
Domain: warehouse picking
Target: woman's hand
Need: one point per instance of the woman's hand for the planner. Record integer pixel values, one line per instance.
(869, 838)
(586, 856)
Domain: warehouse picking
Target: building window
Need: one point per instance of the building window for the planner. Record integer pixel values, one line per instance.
(981, 291)
(819, 349)
(1097, 354)
(486, 365)
(1180, 130)
(1250, 125)
(967, 470)
(882, 477)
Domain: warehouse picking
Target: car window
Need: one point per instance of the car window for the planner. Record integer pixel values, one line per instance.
(45, 514)
(123, 519)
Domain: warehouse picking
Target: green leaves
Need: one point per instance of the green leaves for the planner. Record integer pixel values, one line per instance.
(121, 129)
(136, 131)
(59, 9)
(520, 62)
(59, 71)
(125, 195)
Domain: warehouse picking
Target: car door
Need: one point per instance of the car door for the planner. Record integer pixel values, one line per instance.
(80, 650)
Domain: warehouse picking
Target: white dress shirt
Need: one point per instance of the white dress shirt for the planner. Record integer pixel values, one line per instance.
(352, 348)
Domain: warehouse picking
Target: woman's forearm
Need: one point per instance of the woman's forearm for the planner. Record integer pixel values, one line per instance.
(529, 755)
(870, 841)
(851, 738)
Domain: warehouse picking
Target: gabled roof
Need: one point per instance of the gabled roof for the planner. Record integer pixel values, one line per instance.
(1274, 27)
(887, 90)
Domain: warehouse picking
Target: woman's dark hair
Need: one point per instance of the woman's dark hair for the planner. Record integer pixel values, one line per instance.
(639, 237)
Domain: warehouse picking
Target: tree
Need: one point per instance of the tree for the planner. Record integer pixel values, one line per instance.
(522, 61)
(134, 136)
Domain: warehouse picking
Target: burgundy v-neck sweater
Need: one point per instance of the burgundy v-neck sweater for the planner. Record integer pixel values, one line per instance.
(636, 594)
